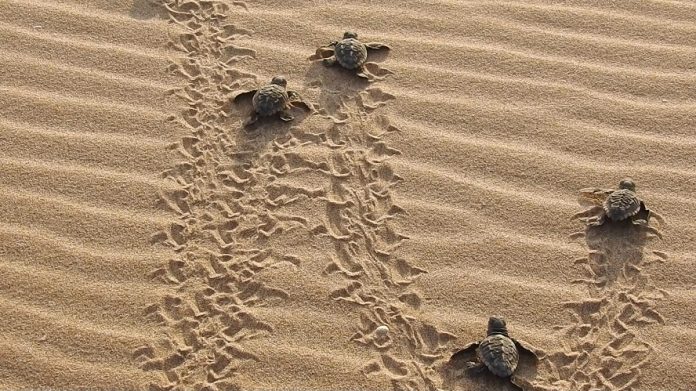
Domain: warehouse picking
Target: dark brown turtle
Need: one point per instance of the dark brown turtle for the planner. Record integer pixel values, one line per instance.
(272, 99)
(623, 203)
(497, 352)
(615, 205)
(349, 53)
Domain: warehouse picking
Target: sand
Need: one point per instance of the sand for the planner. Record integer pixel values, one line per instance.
(150, 242)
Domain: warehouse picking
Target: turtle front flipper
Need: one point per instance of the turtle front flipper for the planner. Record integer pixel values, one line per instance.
(301, 104)
(523, 346)
(593, 196)
(364, 73)
(243, 95)
(322, 53)
(527, 367)
(297, 101)
(377, 46)
(468, 349)
(593, 211)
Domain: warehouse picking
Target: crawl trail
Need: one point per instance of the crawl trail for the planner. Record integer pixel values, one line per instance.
(231, 224)
(360, 210)
(602, 349)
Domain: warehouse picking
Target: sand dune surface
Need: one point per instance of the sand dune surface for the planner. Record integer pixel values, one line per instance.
(149, 240)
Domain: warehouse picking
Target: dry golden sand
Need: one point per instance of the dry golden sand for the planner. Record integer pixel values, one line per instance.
(149, 242)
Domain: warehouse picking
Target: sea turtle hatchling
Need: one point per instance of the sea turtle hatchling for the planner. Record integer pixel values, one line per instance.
(497, 352)
(349, 53)
(615, 205)
(272, 99)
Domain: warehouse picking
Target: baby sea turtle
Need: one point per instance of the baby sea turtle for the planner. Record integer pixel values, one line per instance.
(272, 99)
(616, 205)
(623, 203)
(349, 53)
(497, 352)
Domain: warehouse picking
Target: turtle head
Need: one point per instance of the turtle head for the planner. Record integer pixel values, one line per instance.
(279, 80)
(628, 184)
(496, 325)
(350, 34)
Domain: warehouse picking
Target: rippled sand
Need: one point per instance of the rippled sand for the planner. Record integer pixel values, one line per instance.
(149, 241)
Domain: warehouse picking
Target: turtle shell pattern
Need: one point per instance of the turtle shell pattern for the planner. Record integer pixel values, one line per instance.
(499, 353)
(350, 53)
(270, 99)
(621, 204)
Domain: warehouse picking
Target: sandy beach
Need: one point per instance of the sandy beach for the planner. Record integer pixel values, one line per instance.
(150, 241)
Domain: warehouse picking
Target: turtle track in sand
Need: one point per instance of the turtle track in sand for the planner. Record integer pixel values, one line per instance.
(360, 214)
(227, 230)
(603, 348)
(235, 222)
(216, 272)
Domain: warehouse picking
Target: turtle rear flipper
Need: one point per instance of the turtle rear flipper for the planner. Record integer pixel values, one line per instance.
(286, 116)
(253, 118)
(371, 71)
(642, 218)
(364, 73)
(657, 217)
(242, 95)
(329, 61)
(521, 383)
(646, 214)
(475, 368)
(377, 72)
(642, 214)
(377, 46)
